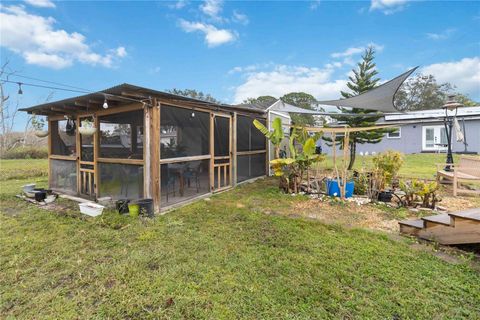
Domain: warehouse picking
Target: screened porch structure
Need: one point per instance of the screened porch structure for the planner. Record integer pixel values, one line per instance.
(151, 144)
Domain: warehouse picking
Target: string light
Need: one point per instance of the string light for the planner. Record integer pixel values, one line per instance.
(20, 88)
(105, 104)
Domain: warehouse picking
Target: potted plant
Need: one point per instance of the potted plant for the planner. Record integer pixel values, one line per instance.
(87, 128)
(38, 125)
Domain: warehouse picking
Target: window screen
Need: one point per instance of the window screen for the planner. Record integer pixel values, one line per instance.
(120, 181)
(86, 148)
(222, 136)
(63, 175)
(63, 137)
(249, 138)
(183, 132)
(121, 135)
(184, 180)
(250, 166)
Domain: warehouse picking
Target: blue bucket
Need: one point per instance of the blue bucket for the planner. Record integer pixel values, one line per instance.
(333, 188)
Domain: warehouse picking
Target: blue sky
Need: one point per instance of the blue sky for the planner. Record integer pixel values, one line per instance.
(234, 50)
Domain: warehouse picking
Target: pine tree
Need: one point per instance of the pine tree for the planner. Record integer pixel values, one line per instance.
(363, 79)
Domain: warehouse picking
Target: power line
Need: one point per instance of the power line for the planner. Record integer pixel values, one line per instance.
(70, 90)
(51, 82)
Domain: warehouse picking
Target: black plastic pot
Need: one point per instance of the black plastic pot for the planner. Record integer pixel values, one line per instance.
(40, 195)
(146, 207)
(122, 206)
(385, 196)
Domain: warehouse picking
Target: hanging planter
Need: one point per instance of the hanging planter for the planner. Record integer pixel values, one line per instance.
(87, 128)
(38, 124)
(41, 133)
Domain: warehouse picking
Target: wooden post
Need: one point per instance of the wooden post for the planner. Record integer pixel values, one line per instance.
(96, 148)
(212, 152)
(234, 148)
(152, 154)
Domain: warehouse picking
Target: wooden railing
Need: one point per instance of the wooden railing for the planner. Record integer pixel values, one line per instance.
(87, 184)
(223, 169)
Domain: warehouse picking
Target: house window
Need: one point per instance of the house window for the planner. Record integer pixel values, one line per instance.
(397, 134)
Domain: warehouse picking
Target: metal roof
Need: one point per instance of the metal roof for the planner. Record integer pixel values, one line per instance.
(116, 93)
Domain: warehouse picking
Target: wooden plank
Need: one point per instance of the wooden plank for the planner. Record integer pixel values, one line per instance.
(147, 152)
(246, 153)
(87, 170)
(233, 175)
(465, 231)
(155, 155)
(58, 157)
(96, 151)
(78, 152)
(184, 159)
(121, 161)
(218, 177)
(212, 151)
(120, 109)
(224, 175)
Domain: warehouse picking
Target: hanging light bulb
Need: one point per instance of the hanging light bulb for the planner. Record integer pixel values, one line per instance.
(105, 104)
(20, 88)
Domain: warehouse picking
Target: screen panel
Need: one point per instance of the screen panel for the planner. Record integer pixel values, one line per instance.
(63, 175)
(250, 166)
(121, 135)
(183, 132)
(222, 136)
(120, 181)
(184, 180)
(249, 138)
(63, 138)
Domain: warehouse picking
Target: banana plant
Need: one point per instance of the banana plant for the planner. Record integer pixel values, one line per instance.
(275, 136)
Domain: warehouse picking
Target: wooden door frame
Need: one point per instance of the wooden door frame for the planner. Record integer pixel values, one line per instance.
(95, 142)
(212, 151)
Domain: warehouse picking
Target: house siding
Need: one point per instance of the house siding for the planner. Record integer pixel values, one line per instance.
(411, 139)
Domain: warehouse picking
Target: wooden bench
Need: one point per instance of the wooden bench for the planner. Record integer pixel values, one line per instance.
(467, 170)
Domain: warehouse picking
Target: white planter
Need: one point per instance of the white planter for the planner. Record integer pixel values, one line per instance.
(41, 133)
(91, 209)
(87, 131)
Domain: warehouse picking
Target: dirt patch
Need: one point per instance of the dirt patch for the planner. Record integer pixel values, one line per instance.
(348, 214)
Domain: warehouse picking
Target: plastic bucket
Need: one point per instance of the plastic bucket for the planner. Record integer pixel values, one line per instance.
(122, 206)
(133, 209)
(146, 207)
(333, 188)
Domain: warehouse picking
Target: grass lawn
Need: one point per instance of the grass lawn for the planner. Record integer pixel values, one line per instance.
(20, 168)
(235, 256)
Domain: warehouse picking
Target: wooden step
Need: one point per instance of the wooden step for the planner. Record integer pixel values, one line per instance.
(471, 214)
(443, 218)
(411, 227)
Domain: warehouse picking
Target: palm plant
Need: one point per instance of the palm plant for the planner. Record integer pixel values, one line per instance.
(275, 136)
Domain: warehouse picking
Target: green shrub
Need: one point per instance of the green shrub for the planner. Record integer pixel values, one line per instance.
(26, 153)
(389, 162)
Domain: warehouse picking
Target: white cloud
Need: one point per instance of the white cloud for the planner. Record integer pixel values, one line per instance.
(282, 79)
(41, 3)
(356, 50)
(121, 52)
(388, 6)
(180, 4)
(213, 36)
(349, 53)
(442, 35)
(314, 4)
(240, 18)
(464, 74)
(37, 40)
(212, 8)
